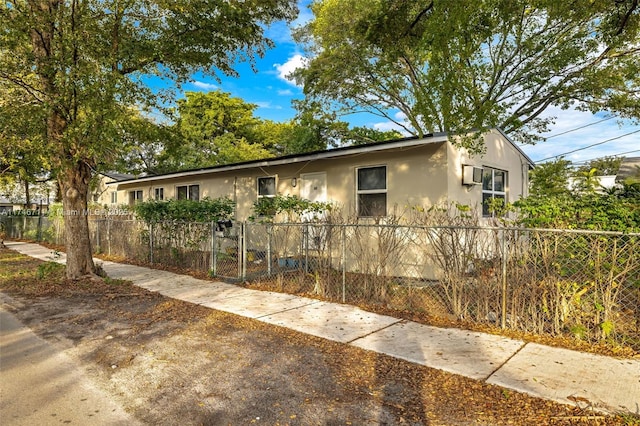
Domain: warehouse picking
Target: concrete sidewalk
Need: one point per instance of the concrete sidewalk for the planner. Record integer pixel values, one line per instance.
(605, 383)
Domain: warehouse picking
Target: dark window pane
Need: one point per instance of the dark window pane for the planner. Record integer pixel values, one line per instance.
(372, 205)
(498, 180)
(487, 179)
(266, 186)
(194, 192)
(372, 178)
(182, 192)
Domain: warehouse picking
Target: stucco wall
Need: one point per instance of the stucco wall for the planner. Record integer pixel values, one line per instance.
(499, 154)
(420, 175)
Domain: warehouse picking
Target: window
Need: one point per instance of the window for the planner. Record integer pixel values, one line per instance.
(494, 185)
(114, 197)
(159, 194)
(135, 197)
(372, 191)
(267, 186)
(188, 192)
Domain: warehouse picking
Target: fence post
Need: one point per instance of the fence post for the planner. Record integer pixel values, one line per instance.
(344, 263)
(269, 230)
(503, 316)
(244, 251)
(109, 236)
(151, 243)
(214, 259)
(98, 245)
(39, 232)
(306, 248)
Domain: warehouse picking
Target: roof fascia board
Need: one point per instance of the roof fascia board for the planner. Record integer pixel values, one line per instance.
(438, 138)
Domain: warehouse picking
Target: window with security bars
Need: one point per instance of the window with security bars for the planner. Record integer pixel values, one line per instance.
(494, 185)
(371, 188)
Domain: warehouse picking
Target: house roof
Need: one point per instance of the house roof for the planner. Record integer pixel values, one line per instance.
(433, 138)
(630, 167)
(118, 176)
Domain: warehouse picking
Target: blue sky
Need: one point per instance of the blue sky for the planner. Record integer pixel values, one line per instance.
(272, 93)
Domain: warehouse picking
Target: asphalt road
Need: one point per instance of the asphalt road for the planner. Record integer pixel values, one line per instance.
(40, 385)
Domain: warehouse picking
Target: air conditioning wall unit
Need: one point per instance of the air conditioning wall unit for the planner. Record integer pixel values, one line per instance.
(471, 175)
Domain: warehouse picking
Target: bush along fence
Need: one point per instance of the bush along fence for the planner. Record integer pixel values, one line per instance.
(583, 284)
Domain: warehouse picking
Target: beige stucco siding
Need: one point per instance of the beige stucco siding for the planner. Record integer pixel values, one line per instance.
(499, 154)
(417, 175)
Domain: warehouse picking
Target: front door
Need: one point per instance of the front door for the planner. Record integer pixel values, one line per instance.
(313, 186)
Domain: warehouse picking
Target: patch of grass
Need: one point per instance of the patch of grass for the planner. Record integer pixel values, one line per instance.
(30, 277)
(48, 269)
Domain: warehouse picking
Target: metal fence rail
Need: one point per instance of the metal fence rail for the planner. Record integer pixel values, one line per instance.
(583, 284)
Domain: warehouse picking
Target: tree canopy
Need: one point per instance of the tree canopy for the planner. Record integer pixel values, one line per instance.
(431, 66)
(81, 64)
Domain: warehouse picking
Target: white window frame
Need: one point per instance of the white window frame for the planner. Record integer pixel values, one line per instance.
(114, 197)
(360, 192)
(275, 186)
(189, 187)
(158, 191)
(138, 196)
(492, 192)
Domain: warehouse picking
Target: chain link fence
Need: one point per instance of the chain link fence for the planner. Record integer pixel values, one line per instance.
(583, 284)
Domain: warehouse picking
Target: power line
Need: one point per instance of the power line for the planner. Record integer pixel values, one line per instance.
(588, 146)
(579, 128)
(611, 155)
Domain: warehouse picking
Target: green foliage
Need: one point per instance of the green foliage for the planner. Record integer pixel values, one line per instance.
(85, 70)
(459, 65)
(205, 210)
(46, 269)
(605, 166)
(216, 128)
(290, 207)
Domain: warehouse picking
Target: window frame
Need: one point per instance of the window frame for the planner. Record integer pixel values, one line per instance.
(158, 191)
(275, 186)
(375, 191)
(492, 192)
(189, 194)
(138, 196)
(114, 197)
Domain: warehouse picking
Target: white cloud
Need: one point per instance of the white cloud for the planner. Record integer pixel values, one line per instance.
(204, 85)
(267, 105)
(285, 92)
(584, 129)
(293, 63)
(385, 126)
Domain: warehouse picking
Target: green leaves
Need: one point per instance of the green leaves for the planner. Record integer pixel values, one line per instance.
(454, 66)
(291, 207)
(553, 204)
(205, 210)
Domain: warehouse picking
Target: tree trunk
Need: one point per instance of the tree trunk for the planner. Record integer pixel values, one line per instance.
(75, 188)
(27, 195)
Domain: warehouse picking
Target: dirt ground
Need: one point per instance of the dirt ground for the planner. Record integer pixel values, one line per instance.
(169, 362)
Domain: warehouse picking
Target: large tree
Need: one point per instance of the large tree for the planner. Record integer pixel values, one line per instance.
(438, 65)
(85, 62)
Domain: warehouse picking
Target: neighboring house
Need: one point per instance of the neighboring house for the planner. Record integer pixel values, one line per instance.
(108, 195)
(602, 183)
(7, 206)
(629, 169)
(367, 179)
